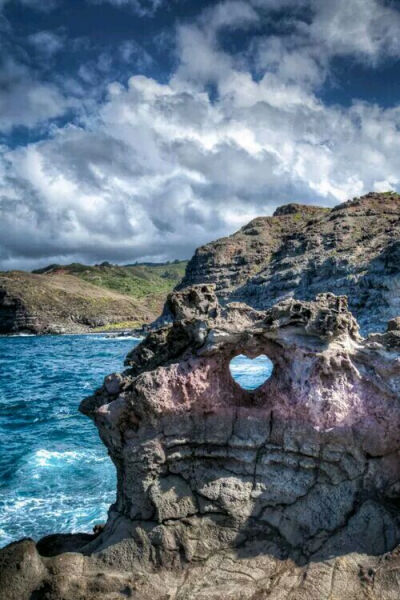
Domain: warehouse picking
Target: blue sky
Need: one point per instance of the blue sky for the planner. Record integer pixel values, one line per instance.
(140, 129)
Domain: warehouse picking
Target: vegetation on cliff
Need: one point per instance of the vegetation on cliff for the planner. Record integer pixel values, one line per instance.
(77, 297)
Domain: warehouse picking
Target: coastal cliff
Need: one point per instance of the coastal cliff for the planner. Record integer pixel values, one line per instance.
(352, 249)
(288, 491)
(80, 298)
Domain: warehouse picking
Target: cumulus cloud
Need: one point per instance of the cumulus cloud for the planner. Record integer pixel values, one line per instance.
(158, 169)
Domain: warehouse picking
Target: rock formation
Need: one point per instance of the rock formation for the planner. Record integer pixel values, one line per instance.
(290, 491)
(352, 249)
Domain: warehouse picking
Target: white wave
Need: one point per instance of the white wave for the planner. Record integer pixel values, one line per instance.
(45, 458)
(121, 338)
(36, 516)
(20, 506)
(52, 458)
(13, 335)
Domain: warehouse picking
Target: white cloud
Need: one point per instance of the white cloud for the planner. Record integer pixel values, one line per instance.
(133, 54)
(29, 93)
(143, 8)
(158, 169)
(366, 28)
(25, 99)
(46, 43)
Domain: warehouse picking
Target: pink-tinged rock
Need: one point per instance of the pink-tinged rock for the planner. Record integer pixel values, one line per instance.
(288, 491)
(294, 460)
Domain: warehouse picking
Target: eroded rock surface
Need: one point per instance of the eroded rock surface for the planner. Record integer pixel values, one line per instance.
(352, 249)
(288, 491)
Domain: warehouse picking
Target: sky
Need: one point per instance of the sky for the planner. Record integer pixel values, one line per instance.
(137, 130)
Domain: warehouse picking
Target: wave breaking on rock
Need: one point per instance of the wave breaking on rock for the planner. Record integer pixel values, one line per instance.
(290, 490)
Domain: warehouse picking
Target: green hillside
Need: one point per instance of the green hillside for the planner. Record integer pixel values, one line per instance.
(76, 297)
(151, 282)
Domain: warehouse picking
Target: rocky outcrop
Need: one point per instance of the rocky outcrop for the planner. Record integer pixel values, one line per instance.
(301, 251)
(288, 491)
(14, 317)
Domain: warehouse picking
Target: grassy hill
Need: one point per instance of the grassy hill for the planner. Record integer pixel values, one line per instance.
(78, 297)
(149, 283)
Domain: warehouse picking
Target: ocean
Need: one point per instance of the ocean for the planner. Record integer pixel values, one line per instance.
(55, 474)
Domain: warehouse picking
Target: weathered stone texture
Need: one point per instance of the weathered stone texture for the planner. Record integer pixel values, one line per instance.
(289, 491)
(301, 251)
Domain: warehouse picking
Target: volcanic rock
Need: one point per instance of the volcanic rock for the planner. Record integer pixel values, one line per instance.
(288, 491)
(352, 249)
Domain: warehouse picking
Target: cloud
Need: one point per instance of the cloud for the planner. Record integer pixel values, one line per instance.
(133, 54)
(158, 169)
(143, 8)
(33, 90)
(25, 100)
(30, 96)
(365, 30)
(46, 43)
(40, 5)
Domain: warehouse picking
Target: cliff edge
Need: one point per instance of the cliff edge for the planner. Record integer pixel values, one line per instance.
(288, 491)
(352, 249)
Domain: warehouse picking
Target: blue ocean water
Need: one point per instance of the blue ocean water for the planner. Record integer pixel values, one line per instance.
(251, 373)
(55, 474)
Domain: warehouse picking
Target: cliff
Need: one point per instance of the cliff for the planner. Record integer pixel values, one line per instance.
(289, 491)
(352, 249)
(79, 298)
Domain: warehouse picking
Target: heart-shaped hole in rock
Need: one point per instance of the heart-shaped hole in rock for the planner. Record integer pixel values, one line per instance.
(250, 373)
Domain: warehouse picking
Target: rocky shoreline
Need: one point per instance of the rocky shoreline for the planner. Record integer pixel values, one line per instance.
(135, 333)
(289, 491)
